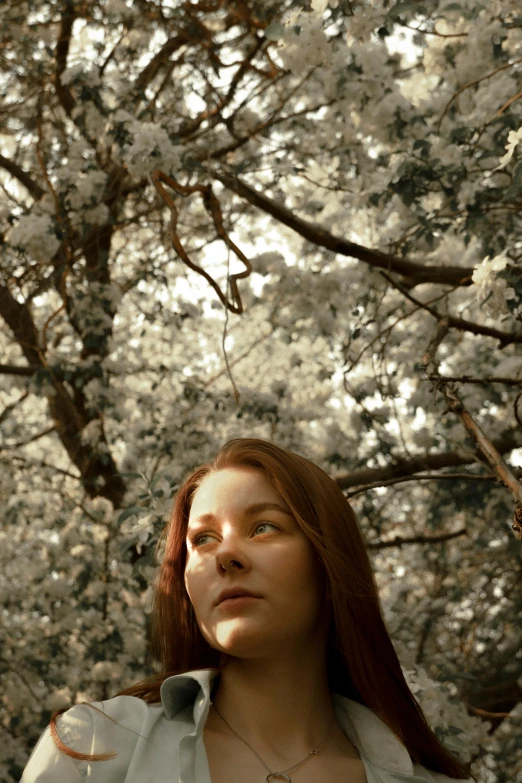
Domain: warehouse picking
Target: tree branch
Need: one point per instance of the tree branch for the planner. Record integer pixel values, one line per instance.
(168, 48)
(212, 206)
(12, 405)
(428, 360)
(505, 338)
(509, 440)
(398, 541)
(14, 369)
(427, 477)
(68, 420)
(22, 443)
(18, 318)
(493, 456)
(470, 379)
(22, 176)
(415, 273)
(61, 52)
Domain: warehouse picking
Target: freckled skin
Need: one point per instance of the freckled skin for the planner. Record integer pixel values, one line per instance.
(276, 561)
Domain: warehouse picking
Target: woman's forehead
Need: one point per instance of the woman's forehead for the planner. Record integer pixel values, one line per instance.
(233, 488)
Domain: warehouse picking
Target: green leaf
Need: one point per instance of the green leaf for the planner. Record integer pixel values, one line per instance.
(129, 512)
(452, 7)
(457, 676)
(512, 192)
(274, 31)
(454, 730)
(403, 8)
(422, 145)
(517, 174)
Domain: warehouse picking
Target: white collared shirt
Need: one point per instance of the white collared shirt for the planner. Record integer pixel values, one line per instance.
(171, 748)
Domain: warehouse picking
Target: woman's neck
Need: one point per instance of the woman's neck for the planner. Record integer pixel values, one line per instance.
(282, 706)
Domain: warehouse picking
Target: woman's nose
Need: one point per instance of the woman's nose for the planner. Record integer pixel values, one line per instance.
(230, 554)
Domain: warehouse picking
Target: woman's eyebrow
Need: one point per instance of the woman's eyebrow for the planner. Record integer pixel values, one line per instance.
(253, 508)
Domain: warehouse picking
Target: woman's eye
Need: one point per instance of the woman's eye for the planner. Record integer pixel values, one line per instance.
(264, 524)
(197, 540)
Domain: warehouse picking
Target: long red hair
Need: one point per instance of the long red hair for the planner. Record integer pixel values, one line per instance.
(362, 662)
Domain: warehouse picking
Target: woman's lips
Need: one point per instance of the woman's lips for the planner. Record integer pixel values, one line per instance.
(238, 602)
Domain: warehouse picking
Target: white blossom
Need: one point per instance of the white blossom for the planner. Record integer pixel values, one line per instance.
(97, 216)
(81, 73)
(35, 234)
(301, 52)
(92, 432)
(151, 149)
(58, 699)
(105, 671)
(513, 139)
(87, 188)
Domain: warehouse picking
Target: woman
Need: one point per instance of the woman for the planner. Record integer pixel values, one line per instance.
(276, 664)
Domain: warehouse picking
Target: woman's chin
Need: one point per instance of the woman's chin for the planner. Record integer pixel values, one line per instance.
(234, 638)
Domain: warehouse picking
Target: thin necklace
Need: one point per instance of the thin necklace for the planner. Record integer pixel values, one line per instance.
(273, 776)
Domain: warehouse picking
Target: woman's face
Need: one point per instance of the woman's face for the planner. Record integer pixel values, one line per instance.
(272, 558)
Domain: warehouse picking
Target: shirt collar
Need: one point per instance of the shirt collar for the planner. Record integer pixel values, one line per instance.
(371, 736)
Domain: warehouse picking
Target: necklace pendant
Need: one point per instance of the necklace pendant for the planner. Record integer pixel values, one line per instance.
(278, 776)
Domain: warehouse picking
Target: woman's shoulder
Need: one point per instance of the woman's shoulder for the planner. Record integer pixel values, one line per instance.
(123, 709)
(113, 726)
(94, 717)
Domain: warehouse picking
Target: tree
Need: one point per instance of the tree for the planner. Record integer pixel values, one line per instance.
(277, 219)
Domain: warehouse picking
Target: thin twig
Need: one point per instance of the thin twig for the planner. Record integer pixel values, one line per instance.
(505, 338)
(398, 541)
(471, 84)
(229, 370)
(501, 469)
(425, 477)
(470, 379)
(22, 443)
(8, 408)
(212, 206)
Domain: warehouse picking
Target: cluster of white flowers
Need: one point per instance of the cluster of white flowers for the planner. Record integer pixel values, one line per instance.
(245, 121)
(442, 714)
(151, 147)
(95, 121)
(106, 670)
(361, 26)
(90, 315)
(311, 47)
(514, 137)
(140, 525)
(35, 235)
(57, 699)
(81, 73)
(100, 396)
(92, 432)
(92, 307)
(462, 733)
(95, 216)
(492, 290)
(87, 188)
